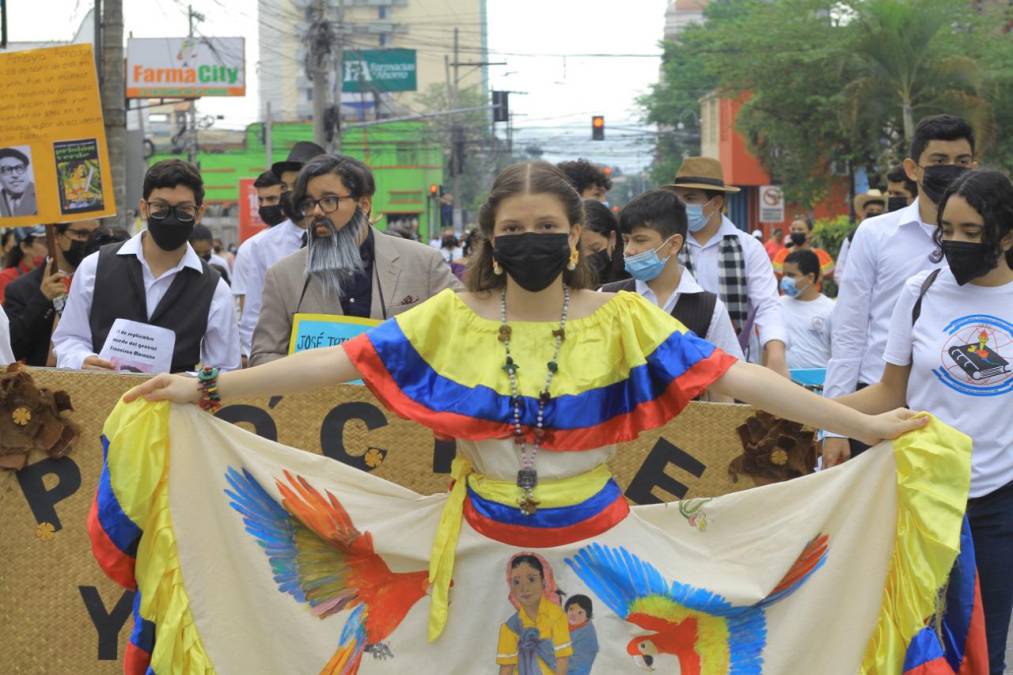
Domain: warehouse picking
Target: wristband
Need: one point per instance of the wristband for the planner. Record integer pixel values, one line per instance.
(210, 400)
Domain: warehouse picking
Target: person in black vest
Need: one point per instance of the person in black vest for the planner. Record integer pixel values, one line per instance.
(156, 278)
(33, 301)
(653, 227)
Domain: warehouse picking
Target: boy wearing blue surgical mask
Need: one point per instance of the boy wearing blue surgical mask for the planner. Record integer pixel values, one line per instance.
(653, 227)
(806, 311)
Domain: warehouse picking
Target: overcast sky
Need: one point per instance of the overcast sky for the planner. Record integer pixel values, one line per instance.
(561, 93)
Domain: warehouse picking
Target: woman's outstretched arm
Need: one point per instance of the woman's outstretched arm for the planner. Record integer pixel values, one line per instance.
(304, 371)
(766, 390)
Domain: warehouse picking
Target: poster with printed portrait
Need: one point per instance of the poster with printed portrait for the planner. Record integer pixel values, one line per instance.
(54, 165)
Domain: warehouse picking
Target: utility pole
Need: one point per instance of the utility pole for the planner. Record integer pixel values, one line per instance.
(114, 108)
(268, 157)
(192, 114)
(320, 52)
(339, 76)
(456, 136)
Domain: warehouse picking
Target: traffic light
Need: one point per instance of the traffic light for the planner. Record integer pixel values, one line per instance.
(598, 128)
(501, 106)
(434, 191)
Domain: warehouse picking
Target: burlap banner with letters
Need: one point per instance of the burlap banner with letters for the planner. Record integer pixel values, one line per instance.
(58, 612)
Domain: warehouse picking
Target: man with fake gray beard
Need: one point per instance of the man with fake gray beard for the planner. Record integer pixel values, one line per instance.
(348, 267)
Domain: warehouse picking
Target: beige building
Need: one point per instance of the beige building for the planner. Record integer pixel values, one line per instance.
(425, 26)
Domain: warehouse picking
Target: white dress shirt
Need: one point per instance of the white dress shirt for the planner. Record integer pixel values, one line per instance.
(885, 251)
(761, 284)
(72, 341)
(252, 260)
(6, 353)
(720, 332)
(842, 258)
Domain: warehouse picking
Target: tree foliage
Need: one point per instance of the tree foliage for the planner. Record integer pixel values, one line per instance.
(830, 83)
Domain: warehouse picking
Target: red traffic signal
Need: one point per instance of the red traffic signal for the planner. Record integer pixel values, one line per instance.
(434, 190)
(598, 128)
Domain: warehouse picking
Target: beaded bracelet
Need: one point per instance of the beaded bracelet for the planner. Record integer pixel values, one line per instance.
(210, 400)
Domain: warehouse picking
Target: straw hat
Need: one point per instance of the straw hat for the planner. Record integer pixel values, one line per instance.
(701, 173)
(871, 196)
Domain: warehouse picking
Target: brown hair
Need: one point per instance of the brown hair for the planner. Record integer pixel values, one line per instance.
(525, 178)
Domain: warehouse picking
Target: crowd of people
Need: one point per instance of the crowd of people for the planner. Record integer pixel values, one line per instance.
(936, 246)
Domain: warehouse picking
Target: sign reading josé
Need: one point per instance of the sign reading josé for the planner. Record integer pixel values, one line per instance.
(187, 67)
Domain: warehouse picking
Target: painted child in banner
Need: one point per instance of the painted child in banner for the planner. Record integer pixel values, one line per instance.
(579, 611)
(536, 639)
(538, 378)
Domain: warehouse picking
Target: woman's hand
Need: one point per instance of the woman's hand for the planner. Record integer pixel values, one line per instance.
(889, 425)
(175, 388)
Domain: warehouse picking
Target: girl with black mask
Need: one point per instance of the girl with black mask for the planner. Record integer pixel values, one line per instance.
(599, 243)
(950, 352)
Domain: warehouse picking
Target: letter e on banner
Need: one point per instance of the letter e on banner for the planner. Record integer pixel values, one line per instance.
(652, 473)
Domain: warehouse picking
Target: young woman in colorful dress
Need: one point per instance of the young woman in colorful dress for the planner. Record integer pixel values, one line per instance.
(539, 377)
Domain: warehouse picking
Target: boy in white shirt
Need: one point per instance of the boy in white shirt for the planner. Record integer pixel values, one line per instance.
(653, 227)
(806, 312)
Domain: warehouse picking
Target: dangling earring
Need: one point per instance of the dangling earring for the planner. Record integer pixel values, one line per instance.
(496, 269)
(574, 257)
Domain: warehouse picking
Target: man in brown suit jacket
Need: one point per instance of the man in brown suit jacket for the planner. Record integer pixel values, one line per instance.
(348, 267)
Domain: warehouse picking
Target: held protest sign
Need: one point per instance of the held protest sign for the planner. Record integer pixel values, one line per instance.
(54, 167)
(311, 331)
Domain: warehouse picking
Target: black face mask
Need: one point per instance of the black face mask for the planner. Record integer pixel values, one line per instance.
(896, 203)
(287, 207)
(600, 262)
(798, 238)
(272, 215)
(169, 234)
(938, 177)
(967, 260)
(532, 260)
(75, 254)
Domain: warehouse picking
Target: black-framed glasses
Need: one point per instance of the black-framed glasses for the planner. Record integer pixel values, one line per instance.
(185, 213)
(16, 169)
(328, 204)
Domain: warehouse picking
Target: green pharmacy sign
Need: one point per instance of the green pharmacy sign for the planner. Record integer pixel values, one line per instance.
(379, 70)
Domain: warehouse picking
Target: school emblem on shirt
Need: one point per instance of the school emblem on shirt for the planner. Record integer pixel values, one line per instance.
(976, 358)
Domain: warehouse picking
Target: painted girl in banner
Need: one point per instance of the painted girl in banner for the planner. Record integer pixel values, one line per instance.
(582, 634)
(535, 640)
(539, 379)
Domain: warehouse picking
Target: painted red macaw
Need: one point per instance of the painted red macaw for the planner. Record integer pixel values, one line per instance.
(320, 558)
(703, 630)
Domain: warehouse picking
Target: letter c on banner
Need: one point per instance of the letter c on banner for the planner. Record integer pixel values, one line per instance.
(332, 432)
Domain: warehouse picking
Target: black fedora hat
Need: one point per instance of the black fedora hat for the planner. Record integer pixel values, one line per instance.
(301, 152)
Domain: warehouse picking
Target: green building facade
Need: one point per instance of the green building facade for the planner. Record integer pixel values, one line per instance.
(405, 164)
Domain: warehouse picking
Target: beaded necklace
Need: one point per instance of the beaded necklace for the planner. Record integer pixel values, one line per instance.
(527, 477)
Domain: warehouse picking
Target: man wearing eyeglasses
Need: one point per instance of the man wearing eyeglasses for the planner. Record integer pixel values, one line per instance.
(17, 191)
(154, 278)
(34, 301)
(349, 267)
(285, 236)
